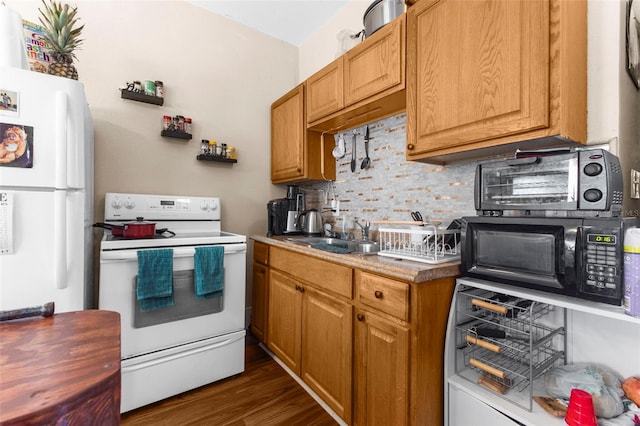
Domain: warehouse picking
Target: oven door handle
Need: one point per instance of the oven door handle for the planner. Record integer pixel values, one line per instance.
(177, 252)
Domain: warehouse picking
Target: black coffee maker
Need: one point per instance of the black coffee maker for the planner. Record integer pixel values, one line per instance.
(283, 212)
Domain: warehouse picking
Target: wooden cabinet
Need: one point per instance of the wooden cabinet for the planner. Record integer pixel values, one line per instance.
(490, 74)
(381, 376)
(365, 84)
(325, 91)
(260, 291)
(369, 346)
(377, 64)
(297, 154)
(309, 329)
(399, 347)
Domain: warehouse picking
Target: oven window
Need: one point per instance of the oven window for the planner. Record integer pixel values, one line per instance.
(516, 251)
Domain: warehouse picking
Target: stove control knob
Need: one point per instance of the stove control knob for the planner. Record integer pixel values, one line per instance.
(213, 205)
(129, 203)
(203, 205)
(116, 203)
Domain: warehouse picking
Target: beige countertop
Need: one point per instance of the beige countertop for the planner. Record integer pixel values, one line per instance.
(405, 270)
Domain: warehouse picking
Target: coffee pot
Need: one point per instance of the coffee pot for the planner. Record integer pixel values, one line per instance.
(310, 223)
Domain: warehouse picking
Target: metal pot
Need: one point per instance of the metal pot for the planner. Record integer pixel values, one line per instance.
(380, 13)
(310, 223)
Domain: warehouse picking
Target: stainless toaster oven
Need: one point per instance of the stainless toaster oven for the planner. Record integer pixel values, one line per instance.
(577, 183)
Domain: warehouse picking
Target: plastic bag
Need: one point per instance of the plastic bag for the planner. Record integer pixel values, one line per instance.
(602, 383)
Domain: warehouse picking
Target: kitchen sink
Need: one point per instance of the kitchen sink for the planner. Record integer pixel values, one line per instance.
(336, 245)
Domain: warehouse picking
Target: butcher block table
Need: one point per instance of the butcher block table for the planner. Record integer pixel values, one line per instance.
(61, 370)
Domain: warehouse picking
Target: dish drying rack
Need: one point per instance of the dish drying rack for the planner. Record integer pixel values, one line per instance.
(504, 344)
(423, 243)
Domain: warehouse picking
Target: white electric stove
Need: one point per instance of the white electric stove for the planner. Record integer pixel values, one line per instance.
(196, 341)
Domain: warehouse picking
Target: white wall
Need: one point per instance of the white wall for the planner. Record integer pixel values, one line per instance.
(323, 47)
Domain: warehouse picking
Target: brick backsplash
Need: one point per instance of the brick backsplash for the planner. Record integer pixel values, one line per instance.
(392, 187)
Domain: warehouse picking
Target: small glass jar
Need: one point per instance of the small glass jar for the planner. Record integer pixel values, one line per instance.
(159, 89)
(180, 123)
(223, 152)
(137, 86)
(231, 152)
(149, 88)
(212, 147)
(166, 122)
(204, 147)
(187, 125)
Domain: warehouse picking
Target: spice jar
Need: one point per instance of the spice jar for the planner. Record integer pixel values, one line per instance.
(204, 147)
(137, 86)
(223, 153)
(166, 122)
(159, 89)
(149, 88)
(212, 147)
(231, 152)
(180, 123)
(187, 125)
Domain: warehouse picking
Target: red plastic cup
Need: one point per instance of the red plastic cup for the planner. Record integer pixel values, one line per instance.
(580, 411)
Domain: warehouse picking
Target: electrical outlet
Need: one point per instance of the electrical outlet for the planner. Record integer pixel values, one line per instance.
(635, 184)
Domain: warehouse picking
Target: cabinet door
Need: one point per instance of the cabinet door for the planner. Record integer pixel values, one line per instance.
(382, 371)
(377, 64)
(285, 308)
(477, 71)
(259, 301)
(288, 132)
(325, 91)
(327, 349)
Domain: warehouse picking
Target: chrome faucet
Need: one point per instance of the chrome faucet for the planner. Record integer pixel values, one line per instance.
(365, 229)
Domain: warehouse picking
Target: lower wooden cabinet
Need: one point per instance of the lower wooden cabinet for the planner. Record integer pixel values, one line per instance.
(310, 332)
(260, 291)
(371, 347)
(260, 302)
(381, 376)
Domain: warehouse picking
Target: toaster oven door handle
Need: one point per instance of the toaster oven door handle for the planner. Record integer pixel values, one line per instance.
(522, 161)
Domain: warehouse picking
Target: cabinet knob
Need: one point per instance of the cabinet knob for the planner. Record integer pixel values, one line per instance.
(301, 289)
(410, 147)
(378, 294)
(360, 317)
(299, 170)
(297, 287)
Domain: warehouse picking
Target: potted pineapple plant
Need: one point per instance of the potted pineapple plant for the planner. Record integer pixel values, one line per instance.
(58, 22)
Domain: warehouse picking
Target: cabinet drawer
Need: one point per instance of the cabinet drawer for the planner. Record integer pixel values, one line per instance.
(325, 275)
(261, 253)
(391, 297)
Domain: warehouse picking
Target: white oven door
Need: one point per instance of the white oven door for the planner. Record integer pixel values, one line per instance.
(168, 327)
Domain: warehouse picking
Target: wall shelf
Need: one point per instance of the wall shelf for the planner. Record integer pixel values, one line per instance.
(141, 97)
(204, 157)
(177, 135)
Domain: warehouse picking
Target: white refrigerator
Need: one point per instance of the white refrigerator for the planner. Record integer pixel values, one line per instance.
(46, 192)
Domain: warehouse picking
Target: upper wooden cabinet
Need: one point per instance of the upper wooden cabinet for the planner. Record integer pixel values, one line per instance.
(489, 74)
(296, 153)
(365, 84)
(325, 91)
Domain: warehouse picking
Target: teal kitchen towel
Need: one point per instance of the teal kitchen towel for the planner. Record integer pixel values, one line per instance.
(209, 271)
(154, 289)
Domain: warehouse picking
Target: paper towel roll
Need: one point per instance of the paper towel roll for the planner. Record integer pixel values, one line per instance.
(12, 51)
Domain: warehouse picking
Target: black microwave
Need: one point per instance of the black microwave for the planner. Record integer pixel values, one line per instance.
(580, 257)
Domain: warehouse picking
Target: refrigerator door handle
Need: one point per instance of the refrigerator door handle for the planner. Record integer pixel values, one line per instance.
(60, 238)
(62, 112)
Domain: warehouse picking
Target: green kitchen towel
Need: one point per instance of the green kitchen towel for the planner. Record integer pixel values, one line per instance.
(154, 287)
(209, 271)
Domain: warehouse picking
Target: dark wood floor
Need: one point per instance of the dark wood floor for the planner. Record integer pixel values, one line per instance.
(263, 395)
